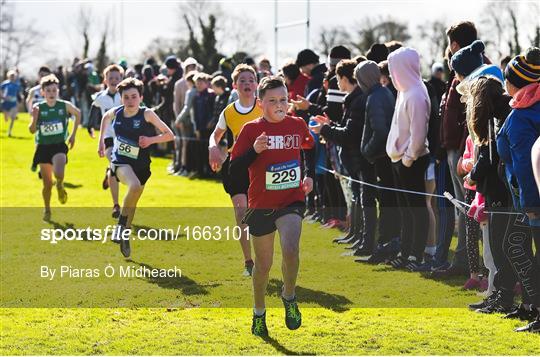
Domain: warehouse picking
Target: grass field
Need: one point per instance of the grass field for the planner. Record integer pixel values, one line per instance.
(347, 308)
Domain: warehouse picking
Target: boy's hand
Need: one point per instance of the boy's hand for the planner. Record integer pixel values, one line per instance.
(91, 132)
(261, 143)
(145, 141)
(215, 158)
(300, 103)
(322, 119)
(307, 185)
(71, 141)
(101, 148)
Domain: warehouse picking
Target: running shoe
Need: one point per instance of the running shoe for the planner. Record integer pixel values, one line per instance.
(482, 304)
(293, 317)
(248, 268)
(116, 211)
(258, 327)
(62, 195)
(47, 216)
(399, 262)
(533, 327)
(523, 314)
(125, 249)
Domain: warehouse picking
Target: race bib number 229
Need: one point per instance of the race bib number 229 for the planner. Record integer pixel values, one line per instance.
(283, 176)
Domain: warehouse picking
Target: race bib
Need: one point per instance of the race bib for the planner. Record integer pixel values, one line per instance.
(51, 128)
(126, 148)
(283, 176)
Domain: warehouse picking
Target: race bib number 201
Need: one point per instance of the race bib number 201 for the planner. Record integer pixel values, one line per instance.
(51, 128)
(283, 176)
(125, 148)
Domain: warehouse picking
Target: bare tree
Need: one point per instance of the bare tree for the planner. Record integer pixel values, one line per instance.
(379, 30)
(18, 39)
(433, 34)
(84, 23)
(332, 36)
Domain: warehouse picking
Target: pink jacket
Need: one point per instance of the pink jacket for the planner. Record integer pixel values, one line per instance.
(468, 160)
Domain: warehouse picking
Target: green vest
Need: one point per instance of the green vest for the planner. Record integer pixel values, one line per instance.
(52, 123)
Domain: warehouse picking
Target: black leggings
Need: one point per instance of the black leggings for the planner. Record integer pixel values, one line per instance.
(472, 230)
(413, 209)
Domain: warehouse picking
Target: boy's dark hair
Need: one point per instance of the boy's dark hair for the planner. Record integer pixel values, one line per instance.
(129, 83)
(383, 66)
(48, 80)
(44, 69)
(291, 71)
(219, 81)
(190, 76)
(464, 33)
(113, 68)
(267, 83)
(505, 60)
(359, 59)
(242, 67)
(393, 45)
(345, 68)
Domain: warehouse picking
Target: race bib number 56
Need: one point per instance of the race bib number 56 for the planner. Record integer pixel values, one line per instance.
(126, 148)
(283, 176)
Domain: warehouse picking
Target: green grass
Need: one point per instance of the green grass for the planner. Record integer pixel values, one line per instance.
(348, 308)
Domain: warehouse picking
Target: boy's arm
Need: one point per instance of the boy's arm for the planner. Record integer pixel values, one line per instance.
(35, 115)
(166, 133)
(77, 114)
(29, 100)
(105, 122)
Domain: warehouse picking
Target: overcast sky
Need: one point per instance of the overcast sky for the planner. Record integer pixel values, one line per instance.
(143, 21)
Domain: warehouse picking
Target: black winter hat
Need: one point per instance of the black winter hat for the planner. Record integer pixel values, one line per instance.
(337, 53)
(377, 53)
(305, 57)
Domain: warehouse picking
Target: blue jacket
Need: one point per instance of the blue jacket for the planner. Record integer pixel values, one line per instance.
(379, 111)
(514, 144)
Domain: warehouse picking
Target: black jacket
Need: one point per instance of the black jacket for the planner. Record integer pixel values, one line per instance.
(349, 135)
(485, 174)
(317, 77)
(380, 105)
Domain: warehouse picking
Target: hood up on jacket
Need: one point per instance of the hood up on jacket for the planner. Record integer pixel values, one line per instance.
(367, 75)
(404, 67)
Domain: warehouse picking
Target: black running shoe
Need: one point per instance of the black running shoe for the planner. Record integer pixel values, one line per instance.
(523, 314)
(293, 317)
(488, 300)
(248, 268)
(501, 304)
(116, 211)
(258, 327)
(533, 327)
(125, 249)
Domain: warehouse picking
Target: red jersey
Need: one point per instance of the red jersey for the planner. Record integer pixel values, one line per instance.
(275, 178)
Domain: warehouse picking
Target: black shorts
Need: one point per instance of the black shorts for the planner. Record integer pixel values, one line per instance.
(262, 221)
(234, 185)
(142, 173)
(45, 152)
(109, 143)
